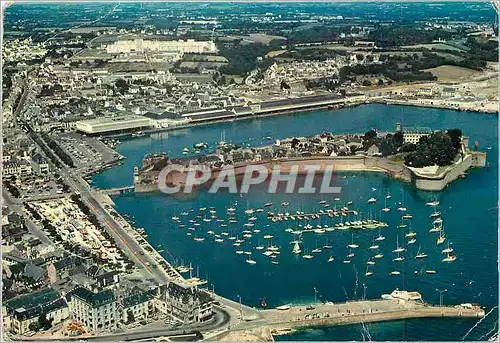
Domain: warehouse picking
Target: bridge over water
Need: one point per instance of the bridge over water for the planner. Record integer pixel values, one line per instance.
(119, 190)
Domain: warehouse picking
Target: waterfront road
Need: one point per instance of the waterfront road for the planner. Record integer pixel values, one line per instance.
(220, 320)
(125, 241)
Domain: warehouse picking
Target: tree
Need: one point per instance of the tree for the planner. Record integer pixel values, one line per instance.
(398, 138)
(369, 135)
(435, 149)
(130, 317)
(122, 86)
(380, 82)
(34, 326)
(456, 137)
(44, 323)
(284, 85)
(367, 82)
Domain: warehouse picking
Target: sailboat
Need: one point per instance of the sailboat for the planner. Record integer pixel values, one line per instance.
(379, 255)
(402, 225)
(441, 237)
(296, 248)
(398, 248)
(449, 258)
(380, 237)
(386, 209)
(351, 254)
(435, 228)
(249, 260)
(352, 245)
(435, 214)
(330, 259)
(420, 254)
(198, 239)
(368, 272)
(437, 221)
(432, 203)
(448, 250)
(399, 258)
(394, 273)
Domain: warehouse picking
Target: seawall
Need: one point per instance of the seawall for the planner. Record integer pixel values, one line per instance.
(439, 181)
(397, 170)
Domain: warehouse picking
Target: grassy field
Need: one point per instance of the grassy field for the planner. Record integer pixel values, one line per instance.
(430, 46)
(275, 53)
(452, 73)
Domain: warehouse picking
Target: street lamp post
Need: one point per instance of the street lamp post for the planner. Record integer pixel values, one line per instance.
(315, 295)
(441, 291)
(241, 309)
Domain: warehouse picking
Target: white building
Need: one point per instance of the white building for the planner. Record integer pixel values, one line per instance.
(184, 302)
(112, 124)
(16, 168)
(413, 135)
(96, 311)
(144, 45)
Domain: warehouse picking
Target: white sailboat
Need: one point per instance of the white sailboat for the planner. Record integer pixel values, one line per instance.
(449, 258)
(441, 237)
(432, 203)
(420, 254)
(296, 248)
(380, 237)
(448, 250)
(398, 247)
(386, 209)
(249, 259)
(399, 258)
(352, 245)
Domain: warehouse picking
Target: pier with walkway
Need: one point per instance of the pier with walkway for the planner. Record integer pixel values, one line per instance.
(397, 306)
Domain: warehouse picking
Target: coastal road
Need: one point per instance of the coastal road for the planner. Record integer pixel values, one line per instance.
(126, 242)
(220, 320)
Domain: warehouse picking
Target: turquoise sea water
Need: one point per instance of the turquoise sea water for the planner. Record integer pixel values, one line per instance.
(468, 206)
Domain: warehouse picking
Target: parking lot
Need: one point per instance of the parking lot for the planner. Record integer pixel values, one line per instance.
(89, 154)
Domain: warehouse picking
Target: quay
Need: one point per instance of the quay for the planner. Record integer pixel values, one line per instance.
(397, 306)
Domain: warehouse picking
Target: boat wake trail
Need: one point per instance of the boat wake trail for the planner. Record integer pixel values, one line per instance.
(356, 286)
(487, 335)
(342, 284)
(479, 322)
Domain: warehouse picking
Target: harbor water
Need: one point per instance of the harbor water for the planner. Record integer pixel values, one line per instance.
(468, 208)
